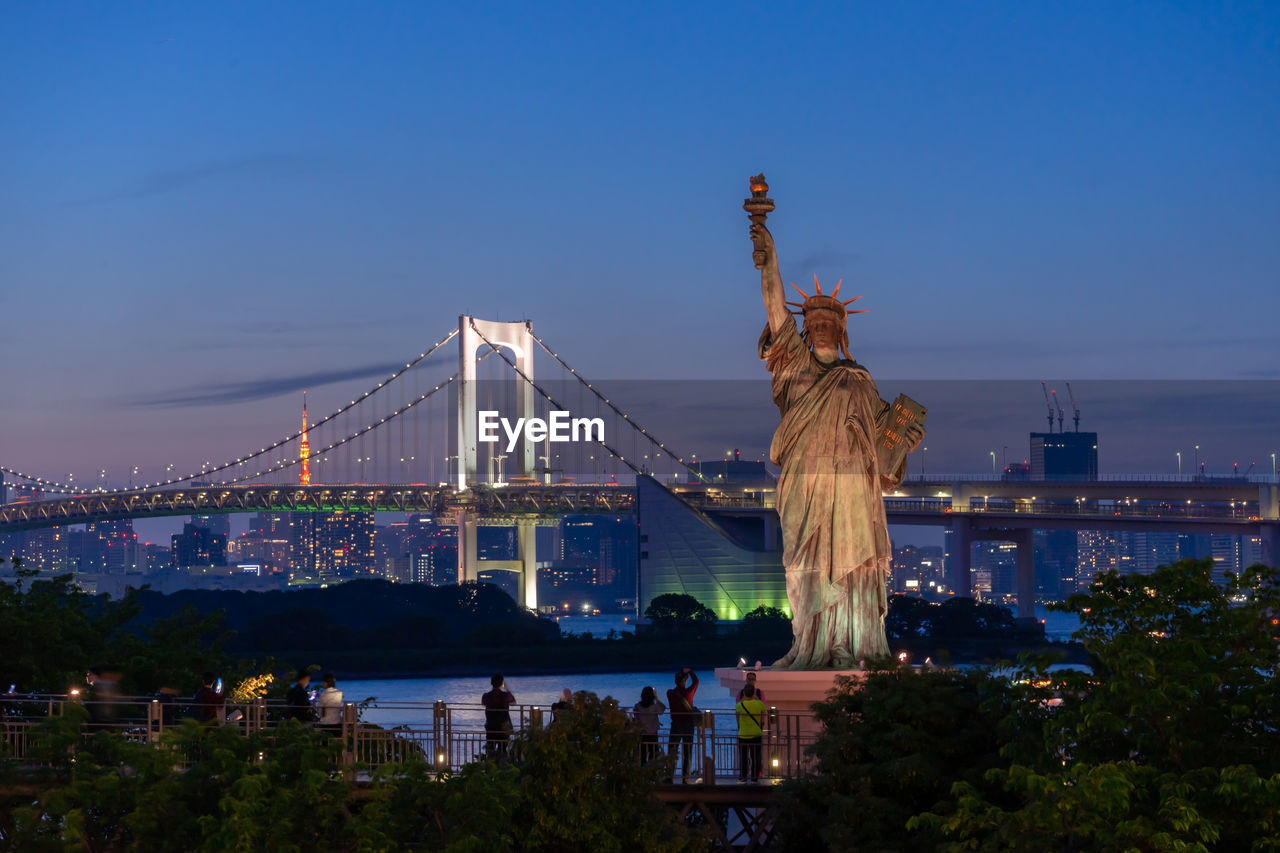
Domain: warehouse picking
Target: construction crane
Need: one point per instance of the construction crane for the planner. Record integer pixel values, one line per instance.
(1045, 389)
(1076, 416)
(1062, 413)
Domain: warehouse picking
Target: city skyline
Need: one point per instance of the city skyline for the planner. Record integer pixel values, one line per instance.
(1071, 192)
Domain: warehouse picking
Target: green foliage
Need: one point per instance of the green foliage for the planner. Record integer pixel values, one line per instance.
(764, 613)
(908, 617)
(577, 785)
(892, 747)
(1184, 670)
(51, 633)
(911, 618)
(273, 791)
(963, 618)
(679, 613)
(765, 628)
(1169, 744)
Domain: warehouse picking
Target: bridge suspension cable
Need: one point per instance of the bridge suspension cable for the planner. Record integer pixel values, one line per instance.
(47, 485)
(208, 471)
(590, 387)
(368, 428)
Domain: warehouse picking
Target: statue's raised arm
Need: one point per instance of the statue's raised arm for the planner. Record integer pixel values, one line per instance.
(765, 255)
(775, 297)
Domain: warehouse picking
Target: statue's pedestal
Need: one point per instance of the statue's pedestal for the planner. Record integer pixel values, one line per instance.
(791, 692)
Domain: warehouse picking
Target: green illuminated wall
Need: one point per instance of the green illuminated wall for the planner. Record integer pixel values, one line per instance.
(686, 551)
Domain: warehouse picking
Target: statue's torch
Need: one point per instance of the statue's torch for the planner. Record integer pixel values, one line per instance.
(758, 208)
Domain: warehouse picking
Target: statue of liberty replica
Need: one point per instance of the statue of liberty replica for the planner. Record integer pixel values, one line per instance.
(840, 447)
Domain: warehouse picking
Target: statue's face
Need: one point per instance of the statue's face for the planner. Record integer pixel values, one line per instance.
(823, 329)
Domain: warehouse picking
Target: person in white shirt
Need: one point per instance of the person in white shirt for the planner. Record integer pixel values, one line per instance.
(329, 701)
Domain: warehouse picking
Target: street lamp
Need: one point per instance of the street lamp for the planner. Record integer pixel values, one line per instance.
(1196, 470)
(993, 463)
(1179, 454)
(923, 451)
(1273, 463)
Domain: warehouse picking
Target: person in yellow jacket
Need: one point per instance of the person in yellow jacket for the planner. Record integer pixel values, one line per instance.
(750, 732)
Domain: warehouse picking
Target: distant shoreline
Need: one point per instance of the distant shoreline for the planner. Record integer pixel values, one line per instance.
(532, 661)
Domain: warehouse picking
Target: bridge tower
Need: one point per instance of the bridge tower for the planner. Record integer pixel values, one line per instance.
(517, 337)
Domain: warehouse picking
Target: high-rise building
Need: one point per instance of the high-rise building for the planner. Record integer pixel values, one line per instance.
(197, 545)
(1064, 456)
(45, 550)
(219, 524)
(110, 547)
(1060, 456)
(332, 546)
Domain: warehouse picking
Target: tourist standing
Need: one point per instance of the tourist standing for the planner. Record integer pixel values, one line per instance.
(298, 699)
(684, 719)
(751, 679)
(208, 705)
(497, 716)
(646, 713)
(750, 732)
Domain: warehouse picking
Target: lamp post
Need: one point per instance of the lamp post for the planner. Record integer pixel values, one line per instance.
(993, 463)
(1196, 469)
(923, 451)
(1179, 455)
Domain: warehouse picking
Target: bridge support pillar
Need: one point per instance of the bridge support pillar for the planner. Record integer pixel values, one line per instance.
(468, 559)
(961, 495)
(1269, 502)
(527, 543)
(1270, 535)
(1026, 575)
(958, 576)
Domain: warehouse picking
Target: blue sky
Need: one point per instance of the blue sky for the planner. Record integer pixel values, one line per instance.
(197, 197)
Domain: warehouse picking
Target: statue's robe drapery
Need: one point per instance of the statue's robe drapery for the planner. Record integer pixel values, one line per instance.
(836, 548)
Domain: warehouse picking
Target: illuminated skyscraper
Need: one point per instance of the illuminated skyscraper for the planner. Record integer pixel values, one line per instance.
(332, 546)
(304, 447)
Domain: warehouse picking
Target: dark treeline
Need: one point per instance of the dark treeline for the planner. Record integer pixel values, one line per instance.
(361, 615)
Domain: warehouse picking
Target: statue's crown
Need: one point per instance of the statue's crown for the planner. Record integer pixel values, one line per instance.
(822, 302)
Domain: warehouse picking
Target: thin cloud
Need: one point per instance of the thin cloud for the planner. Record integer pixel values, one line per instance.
(159, 183)
(260, 389)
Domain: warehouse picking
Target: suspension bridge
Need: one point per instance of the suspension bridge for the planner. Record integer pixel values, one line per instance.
(416, 442)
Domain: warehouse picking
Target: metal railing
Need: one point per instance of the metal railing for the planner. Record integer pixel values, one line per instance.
(448, 736)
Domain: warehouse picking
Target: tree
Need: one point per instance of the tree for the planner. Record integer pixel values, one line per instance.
(893, 746)
(51, 633)
(1168, 743)
(577, 785)
(679, 613)
(909, 618)
(966, 618)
